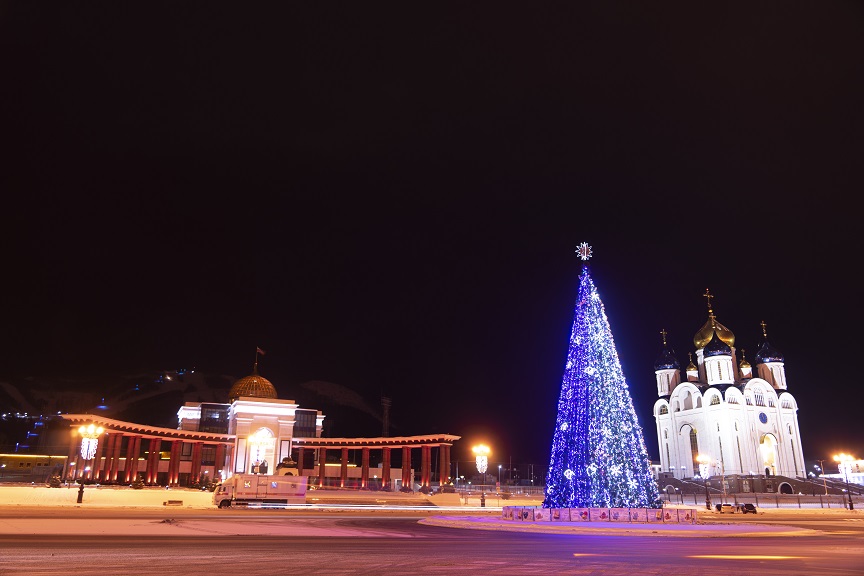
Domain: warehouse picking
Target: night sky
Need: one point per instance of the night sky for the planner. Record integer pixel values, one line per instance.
(390, 198)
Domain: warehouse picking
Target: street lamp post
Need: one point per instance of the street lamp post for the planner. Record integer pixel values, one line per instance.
(481, 453)
(821, 469)
(845, 462)
(89, 441)
(499, 476)
(703, 471)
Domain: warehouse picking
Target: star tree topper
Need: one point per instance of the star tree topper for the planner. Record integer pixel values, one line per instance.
(584, 251)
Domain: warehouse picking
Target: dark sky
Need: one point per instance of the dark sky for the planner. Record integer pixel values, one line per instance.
(389, 198)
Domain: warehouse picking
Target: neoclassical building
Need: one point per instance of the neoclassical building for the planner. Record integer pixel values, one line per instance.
(739, 422)
(254, 432)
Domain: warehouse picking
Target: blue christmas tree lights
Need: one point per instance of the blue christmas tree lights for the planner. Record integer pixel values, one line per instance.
(598, 459)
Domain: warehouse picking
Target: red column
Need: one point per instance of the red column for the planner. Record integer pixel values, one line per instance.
(385, 468)
(96, 466)
(152, 474)
(364, 469)
(444, 464)
(219, 464)
(195, 472)
(322, 459)
(114, 470)
(343, 472)
(425, 458)
(174, 463)
(301, 453)
(406, 467)
(103, 474)
(133, 450)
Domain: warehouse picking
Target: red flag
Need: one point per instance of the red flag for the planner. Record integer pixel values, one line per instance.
(261, 352)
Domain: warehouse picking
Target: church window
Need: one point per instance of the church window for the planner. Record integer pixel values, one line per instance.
(748, 401)
(694, 448)
(736, 426)
(786, 404)
(760, 400)
(789, 427)
(665, 434)
(732, 400)
(715, 400)
(771, 402)
(664, 409)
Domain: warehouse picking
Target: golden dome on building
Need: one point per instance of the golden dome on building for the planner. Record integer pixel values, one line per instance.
(703, 336)
(252, 386)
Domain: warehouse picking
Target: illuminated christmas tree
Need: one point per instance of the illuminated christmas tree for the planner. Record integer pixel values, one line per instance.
(598, 456)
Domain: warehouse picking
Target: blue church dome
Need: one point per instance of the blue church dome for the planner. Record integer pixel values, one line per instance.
(717, 347)
(767, 353)
(666, 361)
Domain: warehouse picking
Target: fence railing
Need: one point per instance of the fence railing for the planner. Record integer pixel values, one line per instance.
(767, 500)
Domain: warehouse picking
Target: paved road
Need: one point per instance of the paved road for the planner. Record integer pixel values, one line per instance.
(253, 542)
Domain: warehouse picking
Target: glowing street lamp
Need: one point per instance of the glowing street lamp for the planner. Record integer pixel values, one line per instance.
(89, 442)
(845, 464)
(481, 453)
(704, 461)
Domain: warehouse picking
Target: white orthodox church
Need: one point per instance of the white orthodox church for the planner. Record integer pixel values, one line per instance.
(722, 418)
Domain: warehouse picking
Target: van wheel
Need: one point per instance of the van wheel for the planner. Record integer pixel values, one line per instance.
(225, 504)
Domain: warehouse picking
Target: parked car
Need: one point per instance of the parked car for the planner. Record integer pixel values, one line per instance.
(745, 508)
(725, 508)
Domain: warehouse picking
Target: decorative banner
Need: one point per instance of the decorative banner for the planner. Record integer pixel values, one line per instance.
(542, 514)
(634, 515)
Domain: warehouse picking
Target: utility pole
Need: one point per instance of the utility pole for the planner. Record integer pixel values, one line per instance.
(822, 473)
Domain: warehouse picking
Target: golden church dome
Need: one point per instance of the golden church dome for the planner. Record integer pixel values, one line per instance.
(253, 386)
(703, 336)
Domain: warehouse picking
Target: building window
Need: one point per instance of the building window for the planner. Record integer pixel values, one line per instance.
(304, 423)
(715, 400)
(664, 409)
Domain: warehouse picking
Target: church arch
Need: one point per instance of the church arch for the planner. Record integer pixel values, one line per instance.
(768, 454)
(785, 488)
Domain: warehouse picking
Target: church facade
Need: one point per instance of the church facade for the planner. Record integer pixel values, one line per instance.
(721, 418)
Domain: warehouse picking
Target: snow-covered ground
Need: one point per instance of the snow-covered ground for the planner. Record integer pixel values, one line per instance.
(450, 512)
